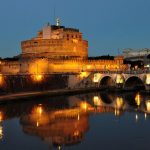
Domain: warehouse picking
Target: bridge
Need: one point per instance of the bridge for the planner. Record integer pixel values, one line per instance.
(126, 80)
(122, 80)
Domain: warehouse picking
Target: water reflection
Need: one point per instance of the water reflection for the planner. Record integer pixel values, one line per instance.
(59, 127)
(65, 120)
(1, 126)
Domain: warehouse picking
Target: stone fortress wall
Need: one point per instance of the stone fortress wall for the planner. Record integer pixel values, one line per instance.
(39, 65)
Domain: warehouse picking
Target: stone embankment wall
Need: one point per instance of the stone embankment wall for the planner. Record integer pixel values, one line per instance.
(24, 83)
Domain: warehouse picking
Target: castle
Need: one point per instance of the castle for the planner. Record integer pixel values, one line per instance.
(57, 49)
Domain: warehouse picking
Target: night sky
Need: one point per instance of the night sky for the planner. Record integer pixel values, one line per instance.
(108, 25)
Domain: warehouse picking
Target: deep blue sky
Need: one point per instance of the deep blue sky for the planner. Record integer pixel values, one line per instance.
(106, 24)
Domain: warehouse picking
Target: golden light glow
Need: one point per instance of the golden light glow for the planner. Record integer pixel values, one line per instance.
(78, 116)
(37, 123)
(1, 132)
(76, 133)
(117, 112)
(97, 101)
(119, 79)
(39, 110)
(83, 105)
(148, 106)
(83, 74)
(75, 41)
(38, 66)
(97, 77)
(148, 79)
(1, 116)
(138, 99)
(1, 79)
(119, 102)
(145, 115)
(39, 116)
(88, 67)
(37, 77)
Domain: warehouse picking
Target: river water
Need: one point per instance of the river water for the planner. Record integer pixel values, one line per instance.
(101, 120)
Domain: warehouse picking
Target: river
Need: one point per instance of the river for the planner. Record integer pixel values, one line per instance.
(100, 120)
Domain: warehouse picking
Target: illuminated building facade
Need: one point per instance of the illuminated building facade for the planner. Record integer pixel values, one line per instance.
(56, 42)
(57, 49)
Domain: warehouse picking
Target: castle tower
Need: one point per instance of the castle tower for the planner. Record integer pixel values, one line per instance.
(56, 42)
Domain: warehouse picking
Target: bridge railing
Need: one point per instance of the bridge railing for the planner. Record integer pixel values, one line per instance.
(95, 71)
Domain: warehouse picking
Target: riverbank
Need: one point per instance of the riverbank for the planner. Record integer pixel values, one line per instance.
(58, 92)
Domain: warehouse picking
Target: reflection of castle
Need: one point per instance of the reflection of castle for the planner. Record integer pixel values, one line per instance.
(57, 49)
(59, 128)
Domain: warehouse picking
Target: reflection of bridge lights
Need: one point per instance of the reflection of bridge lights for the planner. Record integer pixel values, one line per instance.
(136, 117)
(59, 147)
(145, 116)
(117, 112)
(76, 133)
(1, 132)
(39, 110)
(148, 79)
(119, 102)
(96, 101)
(83, 105)
(1, 79)
(148, 106)
(37, 123)
(78, 117)
(138, 99)
(1, 116)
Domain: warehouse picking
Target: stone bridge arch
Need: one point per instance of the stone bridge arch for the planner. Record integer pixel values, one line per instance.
(106, 81)
(134, 82)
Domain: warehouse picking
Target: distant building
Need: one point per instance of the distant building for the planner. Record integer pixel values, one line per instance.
(142, 55)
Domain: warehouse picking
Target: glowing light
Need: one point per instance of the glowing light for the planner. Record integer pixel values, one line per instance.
(96, 101)
(75, 41)
(1, 79)
(145, 115)
(136, 117)
(119, 79)
(38, 66)
(37, 124)
(83, 74)
(78, 117)
(119, 102)
(138, 99)
(76, 133)
(88, 67)
(97, 77)
(83, 105)
(1, 132)
(38, 77)
(148, 106)
(117, 112)
(148, 79)
(39, 110)
(59, 147)
(1, 116)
